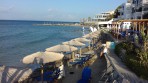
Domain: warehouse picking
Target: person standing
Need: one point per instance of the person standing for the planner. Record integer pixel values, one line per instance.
(104, 52)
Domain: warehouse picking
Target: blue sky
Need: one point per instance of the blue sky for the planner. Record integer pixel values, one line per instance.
(54, 10)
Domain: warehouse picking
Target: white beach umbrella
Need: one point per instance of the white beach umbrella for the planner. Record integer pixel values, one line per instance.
(42, 57)
(61, 48)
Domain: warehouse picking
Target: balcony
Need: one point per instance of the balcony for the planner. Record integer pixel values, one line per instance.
(139, 9)
(134, 5)
(139, 5)
(136, 15)
(145, 8)
(121, 17)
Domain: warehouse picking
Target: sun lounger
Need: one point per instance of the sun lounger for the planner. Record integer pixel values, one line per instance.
(49, 76)
(81, 60)
(78, 61)
(88, 53)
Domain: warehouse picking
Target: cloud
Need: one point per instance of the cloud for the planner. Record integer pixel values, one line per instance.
(58, 15)
(6, 9)
(50, 10)
(71, 17)
(62, 17)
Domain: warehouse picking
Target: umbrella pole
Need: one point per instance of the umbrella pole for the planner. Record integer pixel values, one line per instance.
(72, 55)
(42, 72)
(92, 44)
(80, 52)
(89, 45)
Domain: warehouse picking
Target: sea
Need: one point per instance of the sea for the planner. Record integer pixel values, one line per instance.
(21, 38)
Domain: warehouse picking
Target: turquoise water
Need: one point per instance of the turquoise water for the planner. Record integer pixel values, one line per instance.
(21, 38)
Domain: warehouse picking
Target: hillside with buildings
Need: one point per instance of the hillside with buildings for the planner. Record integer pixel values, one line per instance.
(132, 9)
(128, 25)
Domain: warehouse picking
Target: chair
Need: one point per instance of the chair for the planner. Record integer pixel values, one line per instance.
(86, 75)
(49, 76)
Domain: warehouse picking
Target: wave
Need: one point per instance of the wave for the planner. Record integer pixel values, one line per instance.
(38, 41)
(12, 35)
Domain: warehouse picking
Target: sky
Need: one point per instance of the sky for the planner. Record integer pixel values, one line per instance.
(54, 10)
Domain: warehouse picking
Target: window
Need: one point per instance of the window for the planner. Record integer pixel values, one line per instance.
(145, 9)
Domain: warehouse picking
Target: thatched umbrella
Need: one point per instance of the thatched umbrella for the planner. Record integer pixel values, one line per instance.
(61, 48)
(74, 43)
(90, 36)
(82, 40)
(96, 32)
(42, 58)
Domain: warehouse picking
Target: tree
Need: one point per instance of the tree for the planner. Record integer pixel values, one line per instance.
(117, 13)
(109, 17)
(89, 18)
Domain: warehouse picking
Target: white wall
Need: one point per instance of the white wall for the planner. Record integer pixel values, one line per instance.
(127, 10)
(126, 25)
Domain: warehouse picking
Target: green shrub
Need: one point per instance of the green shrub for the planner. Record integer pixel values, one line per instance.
(136, 58)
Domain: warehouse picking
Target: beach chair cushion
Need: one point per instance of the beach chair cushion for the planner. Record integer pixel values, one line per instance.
(123, 34)
(86, 73)
(83, 81)
(49, 76)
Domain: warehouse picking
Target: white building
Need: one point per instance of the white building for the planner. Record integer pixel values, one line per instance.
(125, 25)
(125, 11)
(139, 9)
(133, 9)
(145, 9)
(136, 9)
(102, 16)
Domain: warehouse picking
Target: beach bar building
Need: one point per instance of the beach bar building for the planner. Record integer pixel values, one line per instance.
(138, 27)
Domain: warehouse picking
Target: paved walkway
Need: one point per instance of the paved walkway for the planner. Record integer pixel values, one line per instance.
(97, 66)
